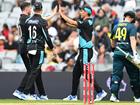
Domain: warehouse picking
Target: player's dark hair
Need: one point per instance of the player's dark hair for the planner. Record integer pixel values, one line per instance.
(131, 14)
(24, 5)
(37, 6)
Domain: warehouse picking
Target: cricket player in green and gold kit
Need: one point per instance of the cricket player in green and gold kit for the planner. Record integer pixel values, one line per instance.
(123, 35)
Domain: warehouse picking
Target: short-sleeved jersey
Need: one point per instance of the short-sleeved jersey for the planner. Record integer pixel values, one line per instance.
(22, 28)
(122, 33)
(85, 33)
(38, 32)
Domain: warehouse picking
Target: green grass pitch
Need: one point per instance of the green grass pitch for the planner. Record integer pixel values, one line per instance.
(58, 102)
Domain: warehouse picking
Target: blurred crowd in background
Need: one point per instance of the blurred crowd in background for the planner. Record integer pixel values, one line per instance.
(106, 14)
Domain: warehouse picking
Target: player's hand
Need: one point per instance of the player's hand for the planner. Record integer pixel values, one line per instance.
(136, 57)
(135, 54)
(55, 10)
(136, 61)
(60, 9)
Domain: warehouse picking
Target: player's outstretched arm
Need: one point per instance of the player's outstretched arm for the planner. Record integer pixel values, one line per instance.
(52, 14)
(71, 25)
(67, 19)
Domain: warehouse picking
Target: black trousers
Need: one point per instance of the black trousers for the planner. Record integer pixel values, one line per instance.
(25, 58)
(35, 74)
(84, 57)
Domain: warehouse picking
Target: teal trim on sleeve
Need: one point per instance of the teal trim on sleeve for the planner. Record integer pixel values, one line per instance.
(41, 57)
(29, 41)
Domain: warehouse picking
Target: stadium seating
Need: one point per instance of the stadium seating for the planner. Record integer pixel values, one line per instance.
(6, 6)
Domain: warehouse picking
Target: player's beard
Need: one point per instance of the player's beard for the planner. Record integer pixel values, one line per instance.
(29, 13)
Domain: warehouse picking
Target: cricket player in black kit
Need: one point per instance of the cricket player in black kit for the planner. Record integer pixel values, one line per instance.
(85, 26)
(26, 11)
(36, 29)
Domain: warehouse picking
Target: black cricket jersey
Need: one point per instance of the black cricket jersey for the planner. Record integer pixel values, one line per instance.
(37, 32)
(122, 33)
(85, 32)
(22, 28)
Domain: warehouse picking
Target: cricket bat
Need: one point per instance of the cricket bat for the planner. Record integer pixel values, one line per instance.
(129, 57)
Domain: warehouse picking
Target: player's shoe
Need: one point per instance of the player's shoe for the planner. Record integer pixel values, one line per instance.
(35, 96)
(70, 98)
(17, 94)
(136, 99)
(100, 96)
(43, 97)
(113, 98)
(27, 97)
